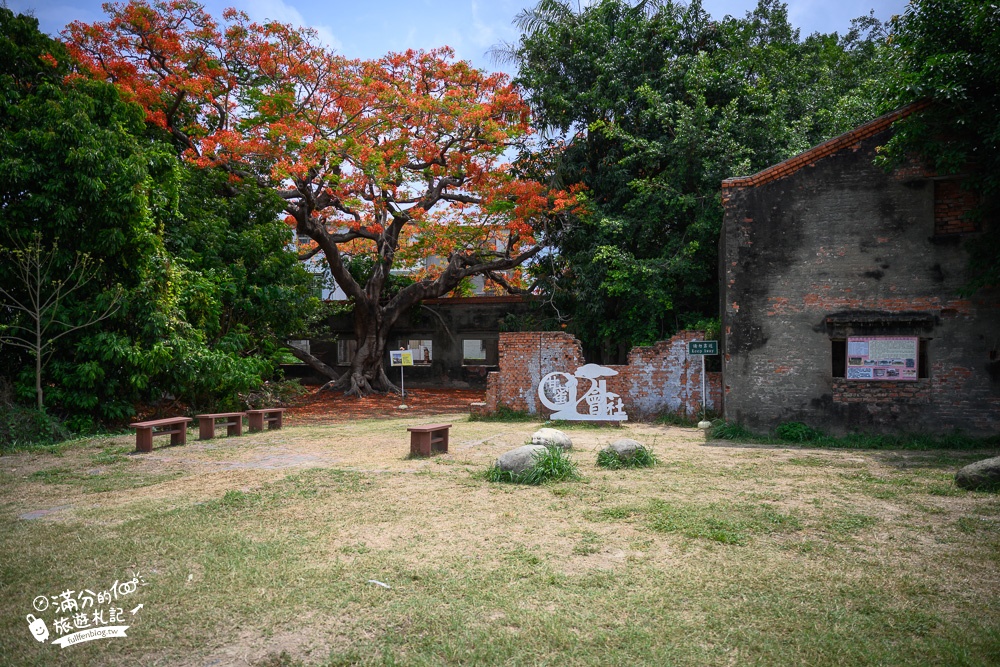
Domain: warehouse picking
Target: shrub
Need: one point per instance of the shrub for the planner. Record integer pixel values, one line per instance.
(723, 430)
(273, 394)
(674, 419)
(552, 465)
(643, 458)
(23, 427)
(796, 432)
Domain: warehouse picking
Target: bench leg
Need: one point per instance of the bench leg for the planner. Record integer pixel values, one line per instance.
(180, 437)
(420, 444)
(235, 427)
(206, 429)
(144, 439)
(275, 422)
(443, 442)
(256, 422)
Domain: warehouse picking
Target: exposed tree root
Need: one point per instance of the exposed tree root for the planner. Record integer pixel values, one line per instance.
(359, 383)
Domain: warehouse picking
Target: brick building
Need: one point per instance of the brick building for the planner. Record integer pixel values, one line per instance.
(840, 305)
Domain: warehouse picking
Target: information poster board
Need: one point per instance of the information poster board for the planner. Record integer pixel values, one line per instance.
(401, 357)
(882, 358)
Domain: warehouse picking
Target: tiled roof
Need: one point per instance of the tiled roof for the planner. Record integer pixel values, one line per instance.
(847, 140)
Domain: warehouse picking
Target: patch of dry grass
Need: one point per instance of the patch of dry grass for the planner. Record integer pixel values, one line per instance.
(261, 549)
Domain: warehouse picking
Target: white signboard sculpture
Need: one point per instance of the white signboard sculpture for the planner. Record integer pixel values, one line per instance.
(559, 391)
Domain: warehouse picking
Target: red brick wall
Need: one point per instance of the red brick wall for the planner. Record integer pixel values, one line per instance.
(837, 248)
(876, 395)
(657, 379)
(952, 205)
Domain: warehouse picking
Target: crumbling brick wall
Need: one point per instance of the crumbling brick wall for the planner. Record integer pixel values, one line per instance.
(828, 246)
(657, 379)
(952, 207)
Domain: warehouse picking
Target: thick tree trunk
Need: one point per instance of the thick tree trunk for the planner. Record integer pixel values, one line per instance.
(367, 374)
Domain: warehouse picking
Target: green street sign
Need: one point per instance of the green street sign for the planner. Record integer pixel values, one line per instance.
(703, 347)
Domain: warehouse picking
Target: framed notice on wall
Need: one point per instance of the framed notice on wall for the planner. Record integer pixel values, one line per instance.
(882, 358)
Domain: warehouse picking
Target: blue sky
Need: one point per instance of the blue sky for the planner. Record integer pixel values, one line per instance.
(369, 29)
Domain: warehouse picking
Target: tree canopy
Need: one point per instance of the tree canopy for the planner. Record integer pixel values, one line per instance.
(397, 158)
(199, 263)
(658, 103)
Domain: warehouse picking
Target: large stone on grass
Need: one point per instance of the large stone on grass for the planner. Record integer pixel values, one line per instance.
(983, 474)
(624, 448)
(520, 459)
(551, 437)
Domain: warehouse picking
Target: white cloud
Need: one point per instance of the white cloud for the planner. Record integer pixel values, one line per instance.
(483, 34)
(278, 10)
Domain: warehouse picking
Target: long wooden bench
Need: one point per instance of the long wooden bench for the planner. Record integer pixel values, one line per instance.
(175, 427)
(270, 415)
(428, 438)
(208, 423)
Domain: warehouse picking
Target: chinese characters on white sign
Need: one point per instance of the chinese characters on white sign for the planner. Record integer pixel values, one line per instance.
(882, 358)
(85, 615)
(560, 392)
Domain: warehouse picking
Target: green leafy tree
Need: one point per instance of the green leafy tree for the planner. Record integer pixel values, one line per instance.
(240, 288)
(658, 103)
(208, 283)
(36, 301)
(947, 52)
(72, 173)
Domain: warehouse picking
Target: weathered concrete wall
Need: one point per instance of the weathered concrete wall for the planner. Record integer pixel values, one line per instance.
(446, 322)
(660, 378)
(830, 247)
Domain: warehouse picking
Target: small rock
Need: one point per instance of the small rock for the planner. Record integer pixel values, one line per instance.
(551, 437)
(520, 459)
(983, 474)
(625, 448)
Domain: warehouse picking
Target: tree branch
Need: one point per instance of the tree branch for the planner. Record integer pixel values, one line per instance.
(313, 363)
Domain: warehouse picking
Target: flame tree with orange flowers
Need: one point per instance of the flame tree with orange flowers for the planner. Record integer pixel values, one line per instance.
(395, 159)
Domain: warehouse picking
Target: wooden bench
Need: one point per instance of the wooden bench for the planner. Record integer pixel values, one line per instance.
(207, 424)
(271, 415)
(428, 438)
(175, 427)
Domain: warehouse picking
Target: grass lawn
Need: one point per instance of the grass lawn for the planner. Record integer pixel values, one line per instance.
(264, 550)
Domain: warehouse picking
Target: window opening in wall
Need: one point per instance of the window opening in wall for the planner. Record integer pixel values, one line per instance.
(422, 350)
(299, 345)
(838, 355)
(345, 351)
(479, 352)
(473, 351)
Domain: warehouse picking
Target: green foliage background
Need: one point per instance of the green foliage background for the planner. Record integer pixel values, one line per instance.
(947, 52)
(657, 103)
(210, 288)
